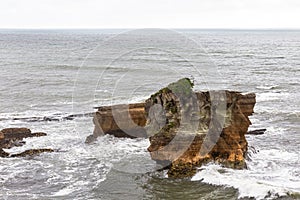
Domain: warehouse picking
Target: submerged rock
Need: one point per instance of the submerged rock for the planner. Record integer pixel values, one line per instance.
(13, 137)
(257, 132)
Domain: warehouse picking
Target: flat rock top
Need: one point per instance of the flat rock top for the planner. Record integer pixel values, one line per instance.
(8, 131)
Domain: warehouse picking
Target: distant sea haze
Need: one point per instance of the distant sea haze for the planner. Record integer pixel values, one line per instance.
(58, 73)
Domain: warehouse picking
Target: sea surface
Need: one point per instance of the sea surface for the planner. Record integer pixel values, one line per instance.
(48, 75)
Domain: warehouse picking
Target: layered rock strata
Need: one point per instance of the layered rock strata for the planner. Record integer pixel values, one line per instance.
(199, 127)
(120, 121)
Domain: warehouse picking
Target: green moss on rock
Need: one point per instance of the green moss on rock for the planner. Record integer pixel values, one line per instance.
(182, 87)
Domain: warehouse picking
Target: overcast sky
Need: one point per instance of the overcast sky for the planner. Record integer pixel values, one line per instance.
(150, 14)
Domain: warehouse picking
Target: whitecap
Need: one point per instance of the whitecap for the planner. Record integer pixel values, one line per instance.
(270, 96)
(63, 192)
(247, 182)
(270, 174)
(267, 87)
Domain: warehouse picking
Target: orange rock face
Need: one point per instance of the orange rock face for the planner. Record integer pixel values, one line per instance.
(120, 120)
(185, 128)
(221, 119)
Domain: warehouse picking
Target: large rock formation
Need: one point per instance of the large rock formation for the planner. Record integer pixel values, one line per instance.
(11, 137)
(199, 127)
(185, 128)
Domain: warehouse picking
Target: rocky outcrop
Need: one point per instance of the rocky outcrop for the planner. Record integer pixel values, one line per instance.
(120, 121)
(32, 152)
(185, 128)
(3, 153)
(11, 137)
(14, 136)
(199, 127)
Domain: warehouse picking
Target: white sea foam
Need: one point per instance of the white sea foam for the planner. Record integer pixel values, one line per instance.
(267, 87)
(269, 96)
(138, 99)
(64, 192)
(77, 167)
(267, 175)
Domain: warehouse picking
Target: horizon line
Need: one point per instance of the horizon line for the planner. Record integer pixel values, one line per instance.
(95, 28)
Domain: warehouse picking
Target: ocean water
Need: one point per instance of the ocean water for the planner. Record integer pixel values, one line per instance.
(51, 74)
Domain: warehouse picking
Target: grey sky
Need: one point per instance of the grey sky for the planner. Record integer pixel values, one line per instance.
(150, 14)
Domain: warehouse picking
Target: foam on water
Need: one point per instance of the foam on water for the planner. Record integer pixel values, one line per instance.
(270, 96)
(271, 182)
(76, 168)
(270, 172)
(268, 87)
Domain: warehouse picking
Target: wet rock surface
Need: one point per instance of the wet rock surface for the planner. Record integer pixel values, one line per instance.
(13, 137)
(32, 152)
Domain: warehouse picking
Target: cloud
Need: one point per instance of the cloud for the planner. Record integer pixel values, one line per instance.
(146, 13)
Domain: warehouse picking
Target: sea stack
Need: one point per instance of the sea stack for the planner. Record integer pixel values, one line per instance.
(186, 129)
(199, 127)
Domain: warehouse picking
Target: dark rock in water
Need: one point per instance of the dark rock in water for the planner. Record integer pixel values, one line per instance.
(13, 137)
(16, 133)
(90, 139)
(50, 119)
(73, 116)
(257, 132)
(3, 153)
(55, 117)
(32, 152)
(38, 134)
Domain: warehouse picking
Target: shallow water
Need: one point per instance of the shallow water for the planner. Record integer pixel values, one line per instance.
(58, 73)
